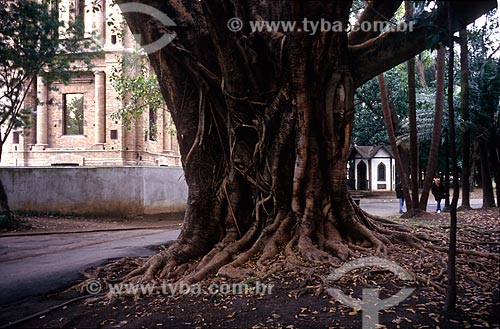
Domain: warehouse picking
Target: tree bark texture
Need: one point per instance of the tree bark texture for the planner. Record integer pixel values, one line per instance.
(401, 169)
(488, 196)
(412, 118)
(495, 162)
(264, 124)
(464, 111)
(436, 130)
(451, 291)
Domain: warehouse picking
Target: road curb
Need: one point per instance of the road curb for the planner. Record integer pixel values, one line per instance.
(13, 234)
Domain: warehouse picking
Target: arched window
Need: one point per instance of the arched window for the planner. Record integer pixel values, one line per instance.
(361, 176)
(381, 172)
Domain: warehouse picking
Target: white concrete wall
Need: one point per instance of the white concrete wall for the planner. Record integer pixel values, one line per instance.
(164, 192)
(113, 191)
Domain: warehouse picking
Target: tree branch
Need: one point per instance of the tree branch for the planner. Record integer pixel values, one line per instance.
(376, 10)
(368, 104)
(379, 54)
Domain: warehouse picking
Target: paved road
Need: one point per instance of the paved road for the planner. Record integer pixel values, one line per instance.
(33, 265)
(390, 207)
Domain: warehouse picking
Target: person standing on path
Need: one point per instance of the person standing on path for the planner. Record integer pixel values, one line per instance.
(400, 196)
(438, 192)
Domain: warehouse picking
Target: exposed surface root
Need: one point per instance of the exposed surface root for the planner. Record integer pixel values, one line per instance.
(285, 246)
(10, 222)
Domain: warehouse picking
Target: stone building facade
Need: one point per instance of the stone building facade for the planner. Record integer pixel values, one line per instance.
(72, 123)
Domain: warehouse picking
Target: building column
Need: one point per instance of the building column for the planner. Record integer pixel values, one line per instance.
(99, 22)
(167, 140)
(100, 107)
(41, 112)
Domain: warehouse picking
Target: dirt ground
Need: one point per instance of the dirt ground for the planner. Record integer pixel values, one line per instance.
(47, 224)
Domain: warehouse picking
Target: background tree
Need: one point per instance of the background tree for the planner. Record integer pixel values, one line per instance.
(484, 123)
(451, 291)
(436, 130)
(137, 88)
(388, 115)
(369, 126)
(464, 113)
(412, 119)
(32, 44)
(264, 124)
(395, 114)
(487, 127)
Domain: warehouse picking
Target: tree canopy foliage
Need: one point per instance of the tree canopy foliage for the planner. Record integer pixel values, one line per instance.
(137, 87)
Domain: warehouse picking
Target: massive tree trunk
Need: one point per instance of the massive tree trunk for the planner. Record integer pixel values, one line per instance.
(264, 123)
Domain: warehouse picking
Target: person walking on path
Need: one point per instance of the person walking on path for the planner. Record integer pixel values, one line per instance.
(438, 192)
(400, 196)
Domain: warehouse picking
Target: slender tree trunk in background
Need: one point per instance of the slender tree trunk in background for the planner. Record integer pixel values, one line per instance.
(464, 111)
(488, 197)
(446, 169)
(494, 151)
(412, 118)
(394, 116)
(403, 175)
(421, 72)
(474, 165)
(493, 143)
(451, 290)
(436, 130)
(403, 155)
